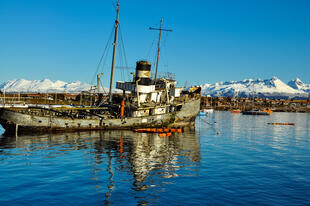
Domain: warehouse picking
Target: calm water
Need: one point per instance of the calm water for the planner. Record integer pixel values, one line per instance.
(233, 160)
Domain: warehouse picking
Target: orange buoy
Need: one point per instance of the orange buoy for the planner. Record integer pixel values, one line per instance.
(159, 130)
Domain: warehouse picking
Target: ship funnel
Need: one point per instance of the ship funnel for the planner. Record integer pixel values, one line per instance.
(143, 72)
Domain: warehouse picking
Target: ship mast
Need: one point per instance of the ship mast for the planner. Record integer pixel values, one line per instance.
(114, 51)
(158, 50)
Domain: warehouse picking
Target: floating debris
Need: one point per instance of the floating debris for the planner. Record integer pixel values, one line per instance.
(278, 123)
(159, 130)
(168, 134)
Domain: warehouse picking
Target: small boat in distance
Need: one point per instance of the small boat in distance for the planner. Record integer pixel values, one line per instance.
(205, 112)
(258, 112)
(208, 110)
(235, 111)
(267, 110)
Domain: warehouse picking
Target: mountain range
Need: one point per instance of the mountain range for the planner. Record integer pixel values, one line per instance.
(268, 88)
(43, 86)
(299, 85)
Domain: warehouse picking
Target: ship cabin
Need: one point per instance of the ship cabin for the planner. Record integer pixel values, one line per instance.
(148, 96)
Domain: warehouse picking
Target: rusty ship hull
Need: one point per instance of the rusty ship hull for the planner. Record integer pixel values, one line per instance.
(19, 121)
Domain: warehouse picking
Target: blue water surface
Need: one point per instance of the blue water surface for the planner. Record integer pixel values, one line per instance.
(230, 159)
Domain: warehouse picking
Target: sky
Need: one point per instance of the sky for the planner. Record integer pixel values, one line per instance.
(211, 41)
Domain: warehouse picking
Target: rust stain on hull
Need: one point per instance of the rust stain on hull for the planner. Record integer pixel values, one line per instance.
(27, 123)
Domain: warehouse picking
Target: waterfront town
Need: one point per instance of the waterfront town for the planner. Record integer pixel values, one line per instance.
(241, 103)
(207, 102)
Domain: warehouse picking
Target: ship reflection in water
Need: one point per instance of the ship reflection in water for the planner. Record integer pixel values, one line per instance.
(118, 164)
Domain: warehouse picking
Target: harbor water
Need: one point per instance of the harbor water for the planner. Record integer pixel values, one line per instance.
(229, 159)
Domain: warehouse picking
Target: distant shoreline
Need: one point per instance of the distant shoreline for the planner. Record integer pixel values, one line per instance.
(242, 103)
(216, 103)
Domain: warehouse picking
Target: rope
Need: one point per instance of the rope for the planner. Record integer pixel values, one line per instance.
(151, 47)
(122, 59)
(103, 55)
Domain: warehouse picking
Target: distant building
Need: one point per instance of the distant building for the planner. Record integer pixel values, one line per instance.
(70, 96)
(34, 96)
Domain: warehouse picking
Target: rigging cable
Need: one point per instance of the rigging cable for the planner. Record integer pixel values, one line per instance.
(119, 68)
(164, 50)
(103, 55)
(124, 52)
(120, 71)
(151, 47)
(154, 63)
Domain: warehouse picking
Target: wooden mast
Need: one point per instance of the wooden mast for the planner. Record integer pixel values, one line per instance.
(114, 51)
(161, 26)
(158, 50)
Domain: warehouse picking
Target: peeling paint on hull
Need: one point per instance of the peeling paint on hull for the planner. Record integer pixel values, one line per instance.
(26, 123)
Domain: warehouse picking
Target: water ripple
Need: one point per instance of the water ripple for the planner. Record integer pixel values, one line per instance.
(234, 160)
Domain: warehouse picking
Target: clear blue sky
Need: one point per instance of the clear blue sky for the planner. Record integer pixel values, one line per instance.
(211, 41)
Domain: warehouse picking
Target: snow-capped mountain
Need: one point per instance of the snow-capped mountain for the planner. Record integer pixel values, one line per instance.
(299, 85)
(43, 86)
(269, 88)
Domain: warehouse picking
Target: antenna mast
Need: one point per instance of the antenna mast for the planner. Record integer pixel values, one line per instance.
(114, 51)
(158, 50)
